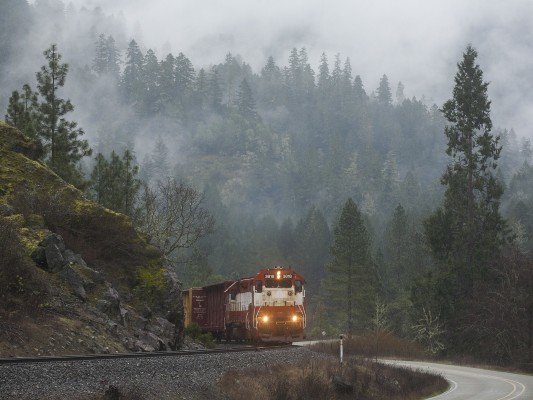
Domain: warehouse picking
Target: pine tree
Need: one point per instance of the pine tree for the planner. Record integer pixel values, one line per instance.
(63, 148)
(107, 59)
(150, 76)
(215, 92)
(167, 83)
(313, 238)
(351, 279)
(21, 111)
(114, 183)
(384, 95)
(471, 205)
(323, 75)
(132, 82)
(359, 91)
(245, 101)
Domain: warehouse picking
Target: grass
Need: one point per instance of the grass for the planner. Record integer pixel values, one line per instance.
(360, 376)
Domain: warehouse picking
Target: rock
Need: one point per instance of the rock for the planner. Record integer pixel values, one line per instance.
(103, 306)
(173, 303)
(147, 312)
(5, 209)
(124, 317)
(149, 339)
(73, 258)
(75, 281)
(141, 346)
(161, 327)
(51, 239)
(54, 259)
(112, 296)
(39, 257)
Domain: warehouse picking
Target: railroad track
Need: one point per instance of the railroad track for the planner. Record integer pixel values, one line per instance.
(114, 356)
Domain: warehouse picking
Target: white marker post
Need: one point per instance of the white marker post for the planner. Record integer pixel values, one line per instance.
(340, 348)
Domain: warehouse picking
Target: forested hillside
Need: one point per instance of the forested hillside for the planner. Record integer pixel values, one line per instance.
(278, 158)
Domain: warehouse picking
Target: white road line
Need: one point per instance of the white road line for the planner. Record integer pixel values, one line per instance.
(515, 388)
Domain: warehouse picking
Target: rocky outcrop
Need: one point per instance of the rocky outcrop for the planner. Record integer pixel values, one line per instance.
(79, 246)
(52, 255)
(146, 332)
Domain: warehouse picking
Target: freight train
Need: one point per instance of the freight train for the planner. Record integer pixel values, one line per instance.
(268, 307)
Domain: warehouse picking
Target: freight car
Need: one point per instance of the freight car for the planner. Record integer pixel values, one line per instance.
(268, 307)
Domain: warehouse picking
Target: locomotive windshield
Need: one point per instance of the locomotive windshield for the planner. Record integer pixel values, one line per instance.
(278, 283)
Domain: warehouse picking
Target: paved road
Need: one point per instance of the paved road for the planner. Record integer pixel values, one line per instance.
(477, 384)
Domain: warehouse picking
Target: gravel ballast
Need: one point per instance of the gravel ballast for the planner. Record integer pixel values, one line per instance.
(182, 377)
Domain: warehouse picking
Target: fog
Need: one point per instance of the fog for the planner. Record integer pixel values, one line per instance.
(416, 42)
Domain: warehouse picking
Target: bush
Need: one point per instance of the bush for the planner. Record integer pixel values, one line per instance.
(195, 333)
(24, 287)
(324, 379)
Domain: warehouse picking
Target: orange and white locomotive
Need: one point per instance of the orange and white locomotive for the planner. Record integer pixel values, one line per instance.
(268, 307)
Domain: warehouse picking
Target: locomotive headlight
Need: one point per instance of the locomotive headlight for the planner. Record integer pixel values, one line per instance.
(294, 318)
(278, 275)
(265, 318)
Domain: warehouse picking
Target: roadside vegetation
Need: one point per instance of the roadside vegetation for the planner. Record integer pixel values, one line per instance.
(358, 378)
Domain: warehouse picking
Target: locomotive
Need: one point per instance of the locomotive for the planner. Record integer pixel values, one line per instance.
(268, 307)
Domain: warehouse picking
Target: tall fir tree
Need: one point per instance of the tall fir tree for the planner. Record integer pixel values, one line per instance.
(132, 80)
(245, 101)
(384, 95)
(351, 280)
(472, 198)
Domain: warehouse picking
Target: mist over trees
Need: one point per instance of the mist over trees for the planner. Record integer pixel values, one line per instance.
(286, 163)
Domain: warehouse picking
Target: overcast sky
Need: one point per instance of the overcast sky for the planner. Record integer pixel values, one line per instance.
(417, 42)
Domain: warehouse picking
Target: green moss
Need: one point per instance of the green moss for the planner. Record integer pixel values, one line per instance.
(151, 278)
(16, 219)
(30, 238)
(34, 220)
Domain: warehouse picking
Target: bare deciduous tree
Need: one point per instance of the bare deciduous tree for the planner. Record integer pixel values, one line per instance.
(429, 331)
(173, 216)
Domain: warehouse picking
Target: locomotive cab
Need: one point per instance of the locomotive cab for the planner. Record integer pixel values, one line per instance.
(278, 306)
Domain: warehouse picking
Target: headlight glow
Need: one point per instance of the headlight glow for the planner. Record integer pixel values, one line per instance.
(294, 318)
(265, 318)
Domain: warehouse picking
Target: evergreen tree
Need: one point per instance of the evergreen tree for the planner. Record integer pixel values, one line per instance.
(400, 96)
(132, 81)
(114, 183)
(313, 239)
(323, 75)
(245, 101)
(471, 205)
(201, 89)
(384, 95)
(272, 79)
(359, 91)
(215, 92)
(63, 148)
(351, 279)
(107, 58)
(167, 83)
(21, 111)
(151, 78)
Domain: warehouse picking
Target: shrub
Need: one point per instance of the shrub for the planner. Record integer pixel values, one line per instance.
(23, 285)
(195, 333)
